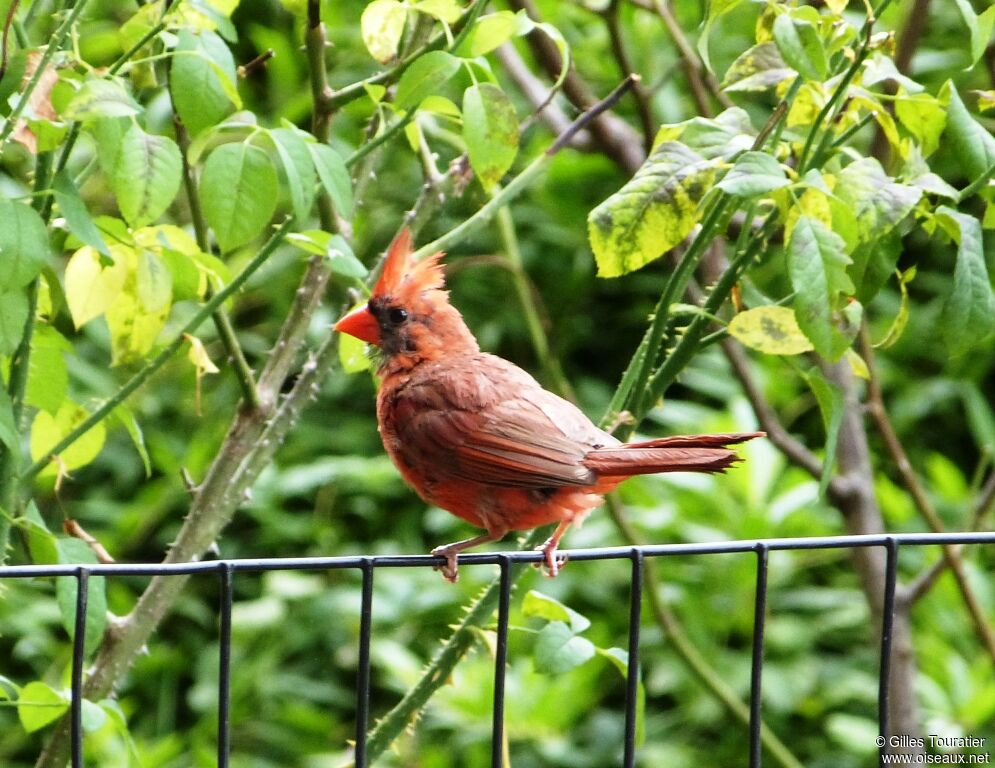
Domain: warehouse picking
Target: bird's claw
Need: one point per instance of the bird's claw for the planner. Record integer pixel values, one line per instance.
(449, 569)
(551, 560)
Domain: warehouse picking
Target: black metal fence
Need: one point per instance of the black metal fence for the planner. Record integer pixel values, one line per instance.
(226, 570)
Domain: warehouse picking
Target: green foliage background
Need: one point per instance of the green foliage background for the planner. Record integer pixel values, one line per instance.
(527, 282)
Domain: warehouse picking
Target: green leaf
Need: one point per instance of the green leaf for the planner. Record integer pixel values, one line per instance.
(969, 310)
(99, 98)
(426, 75)
(817, 263)
(334, 176)
(74, 210)
(91, 287)
(877, 201)
(753, 174)
(42, 544)
(490, 32)
(382, 25)
(716, 9)
(801, 47)
(202, 80)
(9, 435)
(38, 705)
(970, 143)
(298, 167)
(8, 689)
(353, 354)
(13, 315)
(124, 415)
(830, 400)
(549, 608)
(653, 212)
(48, 375)
(23, 244)
(490, 129)
(980, 419)
(979, 26)
(757, 69)
(343, 260)
(722, 137)
(771, 330)
(147, 175)
(71, 552)
(558, 649)
(107, 133)
(925, 117)
(620, 660)
(47, 430)
(238, 189)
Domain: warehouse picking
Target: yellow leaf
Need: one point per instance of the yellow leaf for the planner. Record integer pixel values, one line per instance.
(857, 364)
(91, 289)
(771, 330)
(47, 430)
(138, 313)
(199, 357)
(382, 25)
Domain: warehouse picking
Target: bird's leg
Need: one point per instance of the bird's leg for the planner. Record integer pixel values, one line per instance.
(451, 551)
(554, 563)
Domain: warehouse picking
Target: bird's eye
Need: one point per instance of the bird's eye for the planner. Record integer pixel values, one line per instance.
(397, 316)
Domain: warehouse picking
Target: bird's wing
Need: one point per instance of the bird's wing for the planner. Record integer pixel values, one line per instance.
(494, 425)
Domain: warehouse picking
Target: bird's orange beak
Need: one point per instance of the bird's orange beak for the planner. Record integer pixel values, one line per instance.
(361, 324)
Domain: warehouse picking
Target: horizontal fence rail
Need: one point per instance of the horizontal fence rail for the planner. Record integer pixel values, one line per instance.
(367, 564)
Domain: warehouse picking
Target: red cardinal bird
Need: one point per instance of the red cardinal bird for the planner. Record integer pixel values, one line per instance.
(477, 435)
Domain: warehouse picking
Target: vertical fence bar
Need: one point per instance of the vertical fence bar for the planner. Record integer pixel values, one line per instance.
(756, 671)
(363, 675)
(79, 658)
(887, 626)
(500, 663)
(632, 677)
(224, 666)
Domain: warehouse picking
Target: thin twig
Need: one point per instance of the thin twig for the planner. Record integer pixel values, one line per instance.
(639, 94)
(921, 585)
(876, 407)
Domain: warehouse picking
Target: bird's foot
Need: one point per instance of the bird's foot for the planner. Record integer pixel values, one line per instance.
(449, 569)
(551, 560)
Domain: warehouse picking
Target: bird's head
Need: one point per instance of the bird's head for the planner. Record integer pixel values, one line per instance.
(408, 315)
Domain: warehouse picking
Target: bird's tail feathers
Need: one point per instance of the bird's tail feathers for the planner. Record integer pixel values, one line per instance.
(679, 453)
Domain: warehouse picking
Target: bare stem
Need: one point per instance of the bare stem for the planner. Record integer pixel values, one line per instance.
(226, 332)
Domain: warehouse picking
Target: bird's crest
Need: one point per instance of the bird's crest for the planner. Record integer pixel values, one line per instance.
(404, 279)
